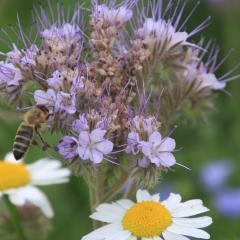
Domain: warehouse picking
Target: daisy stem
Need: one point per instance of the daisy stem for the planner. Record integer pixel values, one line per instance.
(15, 218)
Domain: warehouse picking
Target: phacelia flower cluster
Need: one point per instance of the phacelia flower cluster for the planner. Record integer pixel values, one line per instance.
(102, 80)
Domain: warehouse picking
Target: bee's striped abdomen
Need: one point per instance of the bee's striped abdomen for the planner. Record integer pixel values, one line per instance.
(22, 140)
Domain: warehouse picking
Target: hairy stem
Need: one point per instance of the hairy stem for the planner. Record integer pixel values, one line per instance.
(131, 190)
(15, 218)
(115, 189)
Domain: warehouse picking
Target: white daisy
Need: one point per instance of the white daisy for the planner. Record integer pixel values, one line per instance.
(18, 181)
(150, 219)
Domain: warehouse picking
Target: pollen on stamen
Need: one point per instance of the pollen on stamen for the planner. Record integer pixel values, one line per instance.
(147, 219)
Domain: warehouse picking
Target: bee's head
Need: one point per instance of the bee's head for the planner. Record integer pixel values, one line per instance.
(43, 108)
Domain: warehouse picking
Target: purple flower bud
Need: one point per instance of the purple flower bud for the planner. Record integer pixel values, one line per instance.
(77, 85)
(29, 60)
(67, 147)
(143, 162)
(80, 124)
(14, 56)
(133, 143)
(103, 123)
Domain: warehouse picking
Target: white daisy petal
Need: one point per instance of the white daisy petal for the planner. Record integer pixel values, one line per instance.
(108, 213)
(10, 158)
(157, 238)
(173, 236)
(173, 201)
(173, 197)
(125, 203)
(155, 197)
(32, 195)
(191, 232)
(106, 217)
(188, 211)
(199, 222)
(121, 235)
(103, 232)
(110, 207)
(47, 172)
(143, 195)
(132, 238)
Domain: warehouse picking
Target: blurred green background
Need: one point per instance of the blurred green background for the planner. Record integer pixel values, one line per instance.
(217, 139)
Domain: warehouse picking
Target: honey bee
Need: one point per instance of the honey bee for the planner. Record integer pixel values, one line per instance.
(32, 122)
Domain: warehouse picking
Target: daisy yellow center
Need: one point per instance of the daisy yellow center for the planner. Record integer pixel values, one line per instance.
(13, 175)
(147, 219)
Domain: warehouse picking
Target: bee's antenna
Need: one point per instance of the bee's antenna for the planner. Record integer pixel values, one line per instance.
(24, 108)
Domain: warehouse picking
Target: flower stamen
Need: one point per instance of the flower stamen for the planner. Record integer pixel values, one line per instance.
(147, 219)
(13, 175)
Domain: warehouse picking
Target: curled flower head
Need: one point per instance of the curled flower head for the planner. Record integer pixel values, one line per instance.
(149, 218)
(80, 124)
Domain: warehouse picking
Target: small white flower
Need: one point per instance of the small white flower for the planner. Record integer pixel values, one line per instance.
(159, 151)
(9, 74)
(56, 81)
(94, 146)
(209, 80)
(203, 78)
(162, 31)
(115, 16)
(19, 181)
(150, 219)
(45, 98)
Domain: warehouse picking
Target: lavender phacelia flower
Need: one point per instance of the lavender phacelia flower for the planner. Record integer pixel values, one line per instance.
(159, 150)
(93, 146)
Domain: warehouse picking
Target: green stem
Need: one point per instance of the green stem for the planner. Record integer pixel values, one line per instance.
(115, 189)
(131, 191)
(15, 218)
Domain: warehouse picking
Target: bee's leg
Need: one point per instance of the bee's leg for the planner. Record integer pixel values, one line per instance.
(34, 142)
(46, 146)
